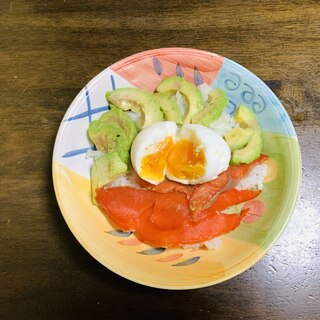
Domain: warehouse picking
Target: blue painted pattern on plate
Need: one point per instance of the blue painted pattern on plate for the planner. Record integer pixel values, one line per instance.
(187, 262)
(243, 87)
(152, 251)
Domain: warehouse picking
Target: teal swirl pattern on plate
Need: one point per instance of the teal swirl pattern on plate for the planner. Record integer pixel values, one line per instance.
(243, 87)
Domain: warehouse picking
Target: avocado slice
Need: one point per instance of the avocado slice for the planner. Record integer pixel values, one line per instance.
(105, 169)
(113, 131)
(121, 119)
(109, 138)
(246, 141)
(169, 107)
(216, 104)
(245, 117)
(136, 100)
(238, 138)
(251, 151)
(188, 90)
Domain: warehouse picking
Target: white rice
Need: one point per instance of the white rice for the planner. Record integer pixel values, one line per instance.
(133, 115)
(205, 90)
(254, 180)
(224, 124)
(128, 180)
(212, 244)
(192, 246)
(181, 102)
(94, 154)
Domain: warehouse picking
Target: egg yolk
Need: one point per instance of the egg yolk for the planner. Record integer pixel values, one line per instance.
(154, 164)
(186, 161)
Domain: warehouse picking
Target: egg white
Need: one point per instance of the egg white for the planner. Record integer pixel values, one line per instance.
(145, 143)
(216, 150)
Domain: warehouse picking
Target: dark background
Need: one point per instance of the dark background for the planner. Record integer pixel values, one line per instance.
(48, 51)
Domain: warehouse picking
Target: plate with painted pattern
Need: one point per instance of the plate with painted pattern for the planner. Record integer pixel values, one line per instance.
(122, 252)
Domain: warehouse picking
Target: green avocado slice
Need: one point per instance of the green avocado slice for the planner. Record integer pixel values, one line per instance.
(169, 107)
(109, 138)
(245, 117)
(245, 142)
(105, 169)
(251, 151)
(188, 90)
(137, 100)
(238, 138)
(216, 104)
(120, 119)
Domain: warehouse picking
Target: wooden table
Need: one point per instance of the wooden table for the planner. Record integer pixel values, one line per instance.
(48, 51)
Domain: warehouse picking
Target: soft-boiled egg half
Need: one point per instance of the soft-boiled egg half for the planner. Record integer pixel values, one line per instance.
(190, 154)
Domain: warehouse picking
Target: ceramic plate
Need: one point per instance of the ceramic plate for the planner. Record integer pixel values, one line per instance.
(123, 253)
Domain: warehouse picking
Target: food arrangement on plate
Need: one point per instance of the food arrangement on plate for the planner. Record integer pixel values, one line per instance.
(163, 171)
(171, 152)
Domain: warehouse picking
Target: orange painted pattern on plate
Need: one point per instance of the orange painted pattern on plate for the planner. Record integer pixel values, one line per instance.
(255, 208)
(171, 257)
(130, 242)
(139, 69)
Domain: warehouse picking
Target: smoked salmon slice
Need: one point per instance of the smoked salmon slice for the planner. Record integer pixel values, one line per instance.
(186, 231)
(123, 205)
(242, 170)
(170, 211)
(169, 186)
(204, 195)
(227, 199)
(213, 226)
(165, 219)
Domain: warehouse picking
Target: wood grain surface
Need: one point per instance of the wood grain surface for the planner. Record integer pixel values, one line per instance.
(48, 51)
